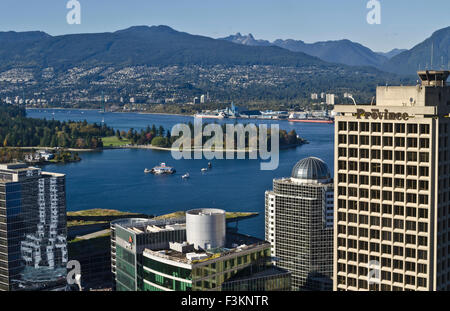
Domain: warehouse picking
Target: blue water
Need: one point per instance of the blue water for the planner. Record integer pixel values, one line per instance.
(115, 179)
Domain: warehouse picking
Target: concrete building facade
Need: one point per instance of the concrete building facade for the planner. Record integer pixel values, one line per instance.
(299, 224)
(392, 198)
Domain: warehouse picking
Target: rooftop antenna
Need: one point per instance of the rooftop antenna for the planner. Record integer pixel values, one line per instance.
(351, 97)
(432, 52)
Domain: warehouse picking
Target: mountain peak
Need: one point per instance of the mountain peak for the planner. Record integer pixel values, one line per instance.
(429, 55)
(22, 36)
(246, 40)
(145, 29)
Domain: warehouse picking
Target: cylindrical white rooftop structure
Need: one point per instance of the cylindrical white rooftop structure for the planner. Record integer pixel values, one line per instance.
(206, 228)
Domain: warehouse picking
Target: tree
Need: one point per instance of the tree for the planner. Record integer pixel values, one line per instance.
(160, 141)
(161, 131)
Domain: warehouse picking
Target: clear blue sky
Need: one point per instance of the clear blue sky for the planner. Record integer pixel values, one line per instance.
(404, 22)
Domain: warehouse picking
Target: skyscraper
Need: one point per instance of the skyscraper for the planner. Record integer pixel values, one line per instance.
(299, 224)
(392, 198)
(33, 247)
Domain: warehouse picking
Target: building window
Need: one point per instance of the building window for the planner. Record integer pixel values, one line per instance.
(412, 129)
(425, 129)
(400, 128)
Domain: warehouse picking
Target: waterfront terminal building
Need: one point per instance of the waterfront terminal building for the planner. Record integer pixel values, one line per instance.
(392, 194)
(33, 246)
(299, 224)
(194, 253)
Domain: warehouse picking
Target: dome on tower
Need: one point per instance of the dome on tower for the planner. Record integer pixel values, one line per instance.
(312, 169)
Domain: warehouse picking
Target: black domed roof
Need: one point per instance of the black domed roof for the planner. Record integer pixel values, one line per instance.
(311, 169)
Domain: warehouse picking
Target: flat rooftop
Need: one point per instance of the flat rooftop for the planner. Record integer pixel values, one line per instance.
(145, 225)
(16, 167)
(235, 243)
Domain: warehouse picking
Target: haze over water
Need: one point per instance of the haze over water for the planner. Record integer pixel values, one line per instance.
(115, 179)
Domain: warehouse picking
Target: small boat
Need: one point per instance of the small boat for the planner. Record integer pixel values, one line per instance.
(146, 171)
(163, 169)
(204, 169)
(185, 176)
(209, 165)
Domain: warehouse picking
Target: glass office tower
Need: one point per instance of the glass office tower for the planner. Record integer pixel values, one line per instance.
(33, 247)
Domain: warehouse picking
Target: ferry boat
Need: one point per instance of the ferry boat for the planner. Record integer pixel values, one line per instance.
(220, 115)
(163, 169)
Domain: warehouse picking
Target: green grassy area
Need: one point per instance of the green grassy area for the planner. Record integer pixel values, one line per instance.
(107, 212)
(99, 212)
(230, 215)
(93, 213)
(171, 215)
(72, 223)
(113, 141)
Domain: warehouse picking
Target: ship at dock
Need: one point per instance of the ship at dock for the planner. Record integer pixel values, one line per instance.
(211, 115)
(308, 118)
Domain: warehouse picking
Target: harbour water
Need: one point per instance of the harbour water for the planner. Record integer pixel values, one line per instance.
(115, 179)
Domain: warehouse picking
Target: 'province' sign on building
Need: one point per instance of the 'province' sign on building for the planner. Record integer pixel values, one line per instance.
(376, 114)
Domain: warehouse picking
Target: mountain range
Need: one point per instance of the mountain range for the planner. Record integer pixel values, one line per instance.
(141, 45)
(162, 45)
(434, 53)
(354, 54)
(161, 62)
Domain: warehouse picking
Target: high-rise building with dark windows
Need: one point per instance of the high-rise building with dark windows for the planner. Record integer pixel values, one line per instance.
(299, 224)
(392, 194)
(33, 247)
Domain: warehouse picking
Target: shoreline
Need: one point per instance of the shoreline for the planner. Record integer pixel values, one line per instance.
(196, 149)
(55, 108)
(92, 109)
(54, 149)
(148, 147)
(182, 115)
